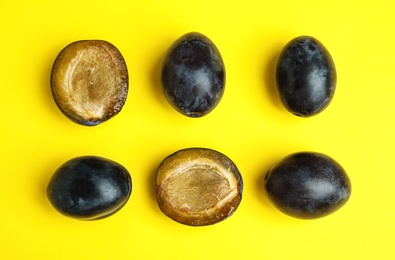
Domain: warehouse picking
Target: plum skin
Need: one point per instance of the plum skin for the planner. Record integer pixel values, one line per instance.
(89, 188)
(305, 76)
(193, 75)
(307, 185)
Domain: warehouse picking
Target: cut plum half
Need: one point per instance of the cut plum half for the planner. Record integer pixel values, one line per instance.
(198, 186)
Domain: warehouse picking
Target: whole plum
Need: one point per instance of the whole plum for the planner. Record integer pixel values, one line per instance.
(305, 76)
(308, 185)
(89, 187)
(193, 75)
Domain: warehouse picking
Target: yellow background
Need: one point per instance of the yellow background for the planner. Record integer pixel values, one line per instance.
(250, 126)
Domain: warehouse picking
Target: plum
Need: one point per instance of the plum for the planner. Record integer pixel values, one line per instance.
(89, 188)
(198, 186)
(305, 76)
(193, 75)
(307, 185)
(89, 81)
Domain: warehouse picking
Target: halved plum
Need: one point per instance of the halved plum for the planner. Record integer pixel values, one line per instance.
(198, 186)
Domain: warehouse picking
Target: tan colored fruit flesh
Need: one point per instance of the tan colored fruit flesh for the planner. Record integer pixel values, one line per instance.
(194, 189)
(89, 81)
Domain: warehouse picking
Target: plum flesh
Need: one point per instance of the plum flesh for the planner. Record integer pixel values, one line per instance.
(89, 81)
(198, 186)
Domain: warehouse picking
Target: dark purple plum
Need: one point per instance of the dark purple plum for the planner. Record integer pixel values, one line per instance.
(305, 76)
(308, 185)
(193, 75)
(89, 188)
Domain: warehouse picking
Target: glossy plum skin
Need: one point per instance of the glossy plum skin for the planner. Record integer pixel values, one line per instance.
(305, 76)
(193, 75)
(308, 185)
(89, 188)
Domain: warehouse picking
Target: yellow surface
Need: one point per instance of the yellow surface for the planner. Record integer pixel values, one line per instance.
(249, 125)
